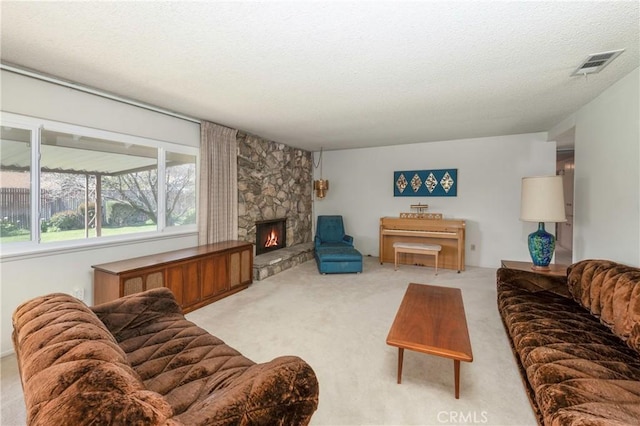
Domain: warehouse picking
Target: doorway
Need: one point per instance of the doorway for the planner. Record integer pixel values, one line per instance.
(565, 166)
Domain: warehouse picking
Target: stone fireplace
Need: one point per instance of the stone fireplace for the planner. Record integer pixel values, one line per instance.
(274, 182)
(271, 235)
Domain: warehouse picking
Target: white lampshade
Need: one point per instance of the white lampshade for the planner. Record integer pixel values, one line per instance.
(542, 199)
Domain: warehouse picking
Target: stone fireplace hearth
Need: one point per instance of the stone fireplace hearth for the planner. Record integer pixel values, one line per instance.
(274, 181)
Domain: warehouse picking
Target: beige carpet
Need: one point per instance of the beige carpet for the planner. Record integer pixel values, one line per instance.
(339, 324)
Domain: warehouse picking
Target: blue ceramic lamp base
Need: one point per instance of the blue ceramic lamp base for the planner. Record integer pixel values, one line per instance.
(541, 247)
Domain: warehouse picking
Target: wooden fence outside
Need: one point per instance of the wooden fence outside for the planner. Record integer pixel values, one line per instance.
(15, 206)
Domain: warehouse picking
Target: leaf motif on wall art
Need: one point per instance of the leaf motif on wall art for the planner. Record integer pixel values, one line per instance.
(416, 183)
(446, 182)
(431, 182)
(401, 183)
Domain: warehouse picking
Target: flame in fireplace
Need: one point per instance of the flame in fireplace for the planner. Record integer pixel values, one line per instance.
(272, 239)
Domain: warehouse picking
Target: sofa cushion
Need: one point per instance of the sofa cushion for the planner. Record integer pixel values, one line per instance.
(74, 372)
(611, 292)
(577, 371)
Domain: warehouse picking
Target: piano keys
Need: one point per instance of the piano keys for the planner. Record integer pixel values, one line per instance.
(447, 233)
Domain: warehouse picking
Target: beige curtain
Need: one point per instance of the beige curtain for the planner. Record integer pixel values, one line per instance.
(218, 203)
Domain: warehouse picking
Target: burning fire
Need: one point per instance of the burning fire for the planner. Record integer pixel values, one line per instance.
(272, 239)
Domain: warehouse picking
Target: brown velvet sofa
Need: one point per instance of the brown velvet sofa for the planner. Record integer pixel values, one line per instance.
(138, 361)
(576, 341)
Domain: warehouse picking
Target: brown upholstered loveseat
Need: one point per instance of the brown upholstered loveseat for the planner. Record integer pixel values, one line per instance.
(576, 341)
(138, 361)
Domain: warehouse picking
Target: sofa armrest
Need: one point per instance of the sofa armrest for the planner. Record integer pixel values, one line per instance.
(123, 317)
(611, 292)
(282, 391)
(348, 239)
(532, 281)
(73, 371)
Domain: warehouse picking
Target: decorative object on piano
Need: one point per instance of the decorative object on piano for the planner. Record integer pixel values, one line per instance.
(542, 201)
(420, 207)
(429, 216)
(321, 186)
(426, 183)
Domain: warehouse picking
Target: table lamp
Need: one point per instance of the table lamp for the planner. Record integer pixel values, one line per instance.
(542, 201)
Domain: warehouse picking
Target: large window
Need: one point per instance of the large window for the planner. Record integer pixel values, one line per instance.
(90, 183)
(15, 184)
(181, 189)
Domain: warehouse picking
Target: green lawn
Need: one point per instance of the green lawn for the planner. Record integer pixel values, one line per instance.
(77, 234)
(15, 238)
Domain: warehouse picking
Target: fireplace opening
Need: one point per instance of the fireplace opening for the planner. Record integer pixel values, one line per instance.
(271, 235)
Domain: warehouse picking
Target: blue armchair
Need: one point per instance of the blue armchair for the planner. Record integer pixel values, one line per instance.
(334, 252)
(330, 233)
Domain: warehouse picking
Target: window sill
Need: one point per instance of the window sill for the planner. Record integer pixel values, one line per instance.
(40, 250)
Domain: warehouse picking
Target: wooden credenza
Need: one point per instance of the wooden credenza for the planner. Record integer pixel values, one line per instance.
(449, 234)
(197, 276)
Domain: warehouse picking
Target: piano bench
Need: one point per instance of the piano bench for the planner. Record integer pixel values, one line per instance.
(415, 248)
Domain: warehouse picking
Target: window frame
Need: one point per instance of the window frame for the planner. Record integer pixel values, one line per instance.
(35, 246)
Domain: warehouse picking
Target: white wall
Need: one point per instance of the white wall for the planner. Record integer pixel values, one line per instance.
(36, 98)
(607, 177)
(28, 277)
(489, 177)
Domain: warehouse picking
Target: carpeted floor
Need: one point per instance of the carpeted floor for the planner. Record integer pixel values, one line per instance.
(339, 325)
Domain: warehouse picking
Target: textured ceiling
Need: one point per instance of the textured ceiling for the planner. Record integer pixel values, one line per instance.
(334, 74)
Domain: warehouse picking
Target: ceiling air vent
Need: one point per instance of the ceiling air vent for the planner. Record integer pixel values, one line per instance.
(596, 62)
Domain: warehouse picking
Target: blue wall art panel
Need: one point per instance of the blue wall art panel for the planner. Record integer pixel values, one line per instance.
(426, 183)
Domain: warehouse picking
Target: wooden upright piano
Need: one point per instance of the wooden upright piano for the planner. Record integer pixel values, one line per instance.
(447, 233)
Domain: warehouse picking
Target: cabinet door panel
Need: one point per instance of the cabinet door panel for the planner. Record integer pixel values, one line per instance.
(155, 280)
(221, 276)
(246, 268)
(234, 269)
(175, 283)
(132, 285)
(207, 274)
(191, 284)
(213, 272)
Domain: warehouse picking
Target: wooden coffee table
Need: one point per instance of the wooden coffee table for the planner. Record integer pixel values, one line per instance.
(431, 320)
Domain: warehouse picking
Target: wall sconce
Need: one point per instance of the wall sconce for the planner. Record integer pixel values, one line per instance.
(542, 201)
(321, 186)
